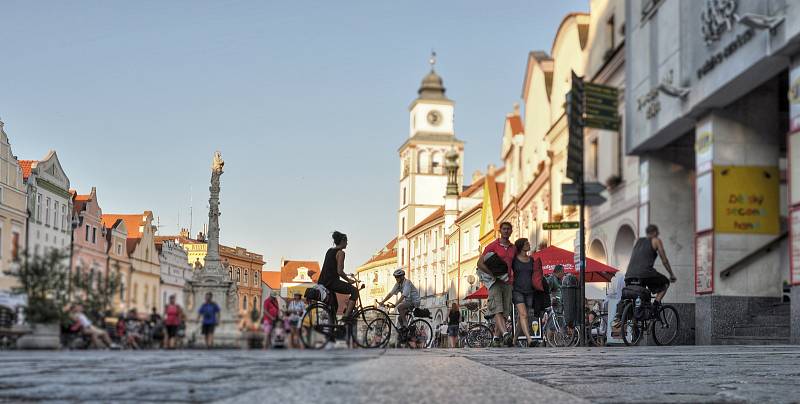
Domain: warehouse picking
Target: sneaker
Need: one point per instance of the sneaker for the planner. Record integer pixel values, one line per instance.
(329, 345)
(496, 342)
(507, 339)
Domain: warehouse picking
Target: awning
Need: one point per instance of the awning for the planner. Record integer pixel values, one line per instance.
(481, 293)
(596, 271)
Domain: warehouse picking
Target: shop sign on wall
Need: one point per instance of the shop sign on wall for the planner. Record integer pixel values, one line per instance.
(746, 199)
(704, 263)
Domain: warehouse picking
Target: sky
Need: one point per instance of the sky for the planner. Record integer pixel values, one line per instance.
(306, 100)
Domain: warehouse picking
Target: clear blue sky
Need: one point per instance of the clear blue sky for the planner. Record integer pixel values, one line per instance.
(307, 100)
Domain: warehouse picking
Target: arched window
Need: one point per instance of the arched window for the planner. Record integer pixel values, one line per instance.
(437, 163)
(230, 274)
(255, 278)
(244, 304)
(245, 276)
(238, 276)
(255, 302)
(423, 162)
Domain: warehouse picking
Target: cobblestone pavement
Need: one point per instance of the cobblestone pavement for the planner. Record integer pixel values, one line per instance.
(659, 374)
(644, 374)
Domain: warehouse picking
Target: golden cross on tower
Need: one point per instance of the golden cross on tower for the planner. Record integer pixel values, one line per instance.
(432, 60)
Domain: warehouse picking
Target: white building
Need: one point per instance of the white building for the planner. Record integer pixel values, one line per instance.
(175, 270)
(49, 205)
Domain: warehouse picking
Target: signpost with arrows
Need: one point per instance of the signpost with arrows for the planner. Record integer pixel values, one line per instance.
(593, 106)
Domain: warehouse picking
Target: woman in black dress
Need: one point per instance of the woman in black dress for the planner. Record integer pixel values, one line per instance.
(332, 275)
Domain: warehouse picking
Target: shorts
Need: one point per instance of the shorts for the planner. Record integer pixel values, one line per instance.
(208, 329)
(656, 282)
(452, 330)
(522, 298)
(172, 331)
(499, 299)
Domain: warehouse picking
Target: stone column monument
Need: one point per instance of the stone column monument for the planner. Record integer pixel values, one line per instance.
(212, 277)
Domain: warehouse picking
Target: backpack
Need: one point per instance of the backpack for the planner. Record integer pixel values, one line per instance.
(496, 265)
(317, 293)
(424, 313)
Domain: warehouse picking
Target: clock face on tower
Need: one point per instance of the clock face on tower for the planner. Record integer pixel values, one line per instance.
(434, 117)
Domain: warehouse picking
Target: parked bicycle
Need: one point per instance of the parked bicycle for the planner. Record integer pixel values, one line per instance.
(369, 327)
(639, 316)
(556, 331)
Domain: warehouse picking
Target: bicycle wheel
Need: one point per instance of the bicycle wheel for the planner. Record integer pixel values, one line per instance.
(316, 325)
(479, 336)
(372, 328)
(664, 327)
(631, 329)
(420, 334)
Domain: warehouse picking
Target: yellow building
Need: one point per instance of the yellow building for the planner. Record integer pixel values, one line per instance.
(376, 273)
(145, 276)
(13, 212)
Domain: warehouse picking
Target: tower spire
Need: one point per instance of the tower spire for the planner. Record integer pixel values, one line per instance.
(432, 60)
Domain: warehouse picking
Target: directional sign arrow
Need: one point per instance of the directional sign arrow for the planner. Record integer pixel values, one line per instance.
(588, 188)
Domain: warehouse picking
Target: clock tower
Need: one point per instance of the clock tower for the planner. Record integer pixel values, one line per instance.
(423, 178)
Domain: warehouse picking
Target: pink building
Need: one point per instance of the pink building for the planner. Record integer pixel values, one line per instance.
(89, 245)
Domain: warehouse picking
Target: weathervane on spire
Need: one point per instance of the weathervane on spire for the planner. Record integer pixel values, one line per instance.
(432, 60)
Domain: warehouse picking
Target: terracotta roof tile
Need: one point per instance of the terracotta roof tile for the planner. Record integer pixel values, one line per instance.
(289, 270)
(272, 279)
(26, 166)
(438, 213)
(473, 187)
(387, 252)
(516, 125)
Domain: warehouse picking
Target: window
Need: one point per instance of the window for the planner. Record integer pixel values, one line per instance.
(465, 242)
(1, 194)
(402, 257)
(230, 274)
(245, 276)
(244, 304)
(86, 233)
(238, 276)
(64, 216)
(404, 195)
(14, 245)
(610, 33)
(94, 235)
(39, 208)
(146, 289)
(403, 226)
(436, 163)
(47, 213)
(255, 282)
(593, 157)
(119, 249)
(423, 162)
(255, 302)
(55, 214)
(135, 293)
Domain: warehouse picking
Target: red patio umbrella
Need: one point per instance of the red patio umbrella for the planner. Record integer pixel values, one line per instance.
(595, 271)
(481, 293)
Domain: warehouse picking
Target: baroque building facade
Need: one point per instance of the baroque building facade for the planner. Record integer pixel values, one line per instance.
(145, 275)
(49, 205)
(89, 243)
(13, 211)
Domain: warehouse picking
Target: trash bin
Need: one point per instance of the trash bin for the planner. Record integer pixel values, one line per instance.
(570, 296)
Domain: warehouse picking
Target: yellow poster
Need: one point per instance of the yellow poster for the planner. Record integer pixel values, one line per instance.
(746, 199)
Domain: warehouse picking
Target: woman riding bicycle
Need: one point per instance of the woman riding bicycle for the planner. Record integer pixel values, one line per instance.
(333, 278)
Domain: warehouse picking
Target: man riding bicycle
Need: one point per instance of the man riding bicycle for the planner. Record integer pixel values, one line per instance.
(409, 296)
(641, 270)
